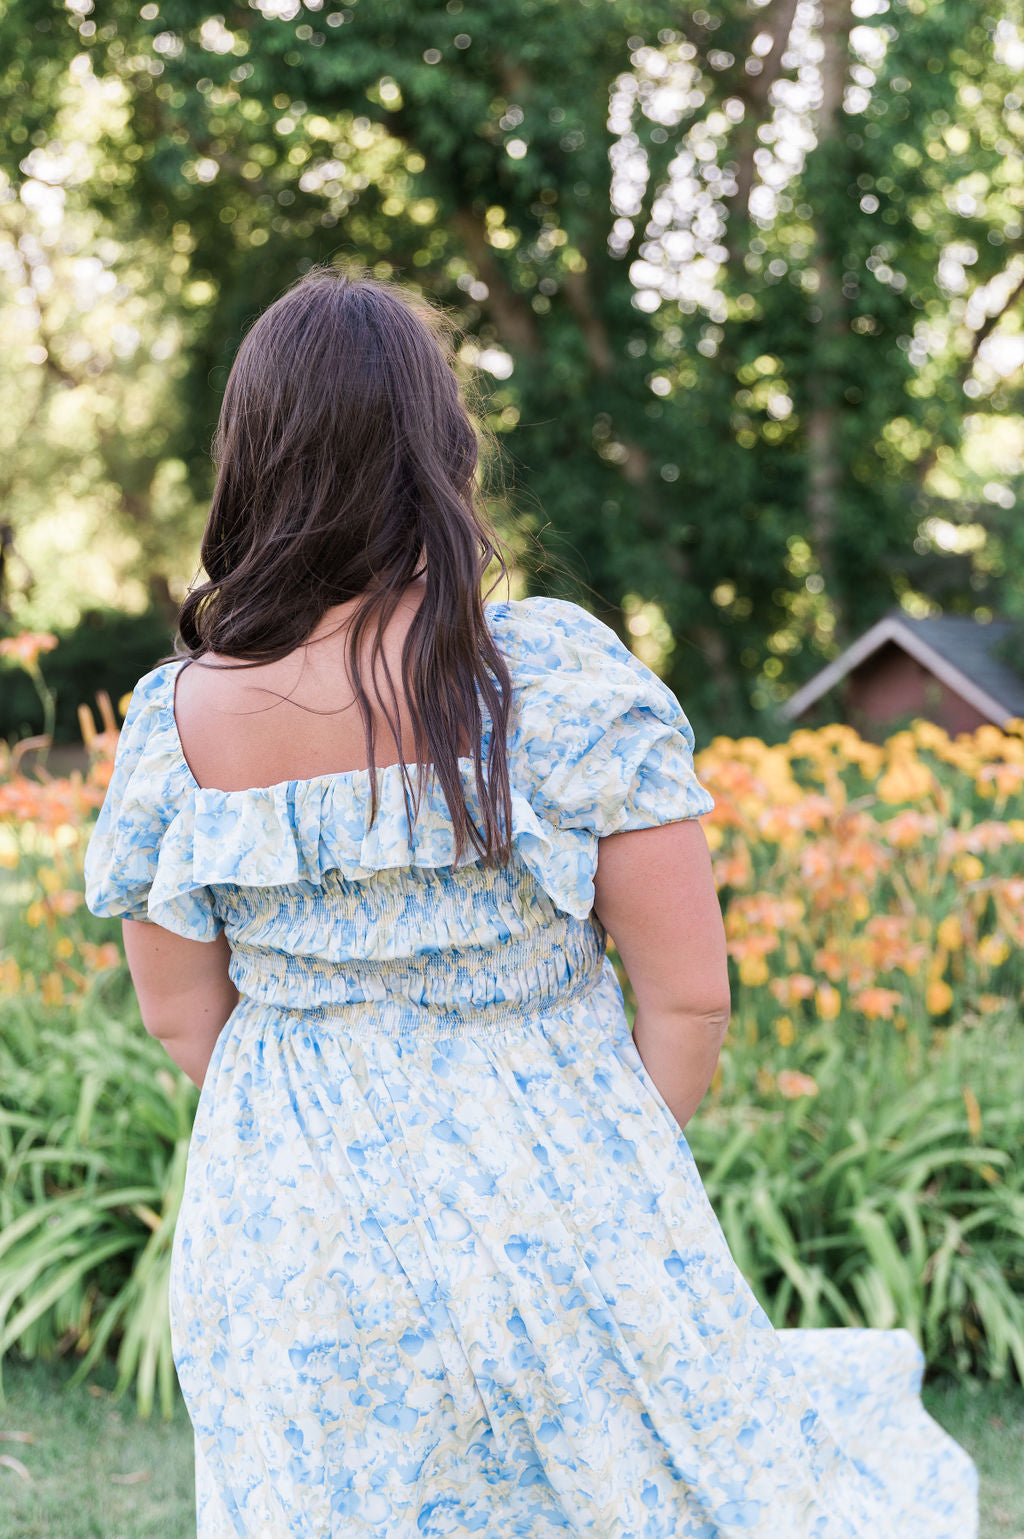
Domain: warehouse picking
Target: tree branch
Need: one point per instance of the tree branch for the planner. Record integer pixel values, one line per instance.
(988, 326)
(755, 93)
(576, 288)
(925, 461)
(512, 315)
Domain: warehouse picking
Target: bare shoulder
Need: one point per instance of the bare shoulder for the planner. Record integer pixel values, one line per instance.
(216, 681)
(244, 725)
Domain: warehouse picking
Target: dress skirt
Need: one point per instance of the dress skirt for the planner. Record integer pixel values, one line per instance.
(472, 1284)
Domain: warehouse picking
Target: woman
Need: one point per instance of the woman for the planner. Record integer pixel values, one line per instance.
(444, 1264)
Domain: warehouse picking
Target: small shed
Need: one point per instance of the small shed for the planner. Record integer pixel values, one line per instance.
(941, 669)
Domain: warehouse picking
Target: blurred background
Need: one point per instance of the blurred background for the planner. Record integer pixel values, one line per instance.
(741, 291)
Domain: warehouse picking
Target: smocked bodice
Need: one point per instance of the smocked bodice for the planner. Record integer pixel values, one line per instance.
(429, 949)
(325, 909)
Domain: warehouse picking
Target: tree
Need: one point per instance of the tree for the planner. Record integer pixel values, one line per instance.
(716, 258)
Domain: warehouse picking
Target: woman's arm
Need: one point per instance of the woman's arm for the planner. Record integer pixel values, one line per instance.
(655, 894)
(184, 991)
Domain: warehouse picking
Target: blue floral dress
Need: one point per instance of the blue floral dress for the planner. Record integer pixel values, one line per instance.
(444, 1264)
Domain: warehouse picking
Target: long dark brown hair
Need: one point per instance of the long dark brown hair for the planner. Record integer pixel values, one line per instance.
(347, 464)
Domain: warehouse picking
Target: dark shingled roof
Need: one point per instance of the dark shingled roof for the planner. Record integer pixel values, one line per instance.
(957, 648)
(965, 642)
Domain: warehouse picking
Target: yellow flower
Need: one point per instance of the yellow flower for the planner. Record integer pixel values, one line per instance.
(993, 950)
(35, 914)
(804, 743)
(10, 976)
(938, 997)
(49, 879)
(928, 734)
(828, 1001)
(52, 991)
(950, 933)
(937, 963)
(764, 1080)
(66, 836)
(784, 1031)
(837, 734)
(753, 970)
(905, 780)
(969, 867)
(973, 1112)
(64, 947)
(989, 739)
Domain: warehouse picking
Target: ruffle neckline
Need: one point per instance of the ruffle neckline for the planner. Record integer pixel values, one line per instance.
(586, 716)
(297, 830)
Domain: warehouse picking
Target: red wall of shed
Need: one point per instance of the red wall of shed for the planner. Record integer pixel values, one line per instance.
(891, 684)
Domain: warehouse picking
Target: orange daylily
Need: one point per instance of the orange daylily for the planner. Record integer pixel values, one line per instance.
(25, 649)
(877, 1003)
(793, 1084)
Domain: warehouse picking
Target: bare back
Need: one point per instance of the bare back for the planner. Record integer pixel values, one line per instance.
(296, 718)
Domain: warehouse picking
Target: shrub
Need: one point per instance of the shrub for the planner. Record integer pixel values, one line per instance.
(869, 1181)
(94, 1133)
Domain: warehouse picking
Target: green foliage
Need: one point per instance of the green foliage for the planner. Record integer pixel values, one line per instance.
(105, 650)
(94, 1132)
(1010, 649)
(877, 1202)
(761, 418)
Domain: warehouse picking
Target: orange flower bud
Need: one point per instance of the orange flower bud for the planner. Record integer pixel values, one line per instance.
(950, 933)
(938, 997)
(828, 1001)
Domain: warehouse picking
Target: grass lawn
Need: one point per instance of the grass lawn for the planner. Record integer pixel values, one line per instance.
(99, 1472)
(988, 1420)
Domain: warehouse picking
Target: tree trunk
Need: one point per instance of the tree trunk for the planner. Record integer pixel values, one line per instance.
(161, 598)
(824, 468)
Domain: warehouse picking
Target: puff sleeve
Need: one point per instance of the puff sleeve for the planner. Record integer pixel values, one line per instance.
(138, 861)
(609, 745)
(599, 744)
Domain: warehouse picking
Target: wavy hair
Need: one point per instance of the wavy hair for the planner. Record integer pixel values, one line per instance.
(347, 465)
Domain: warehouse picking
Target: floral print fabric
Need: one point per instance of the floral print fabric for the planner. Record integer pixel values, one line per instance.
(444, 1263)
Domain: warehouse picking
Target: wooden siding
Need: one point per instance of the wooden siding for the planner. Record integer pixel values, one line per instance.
(890, 684)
